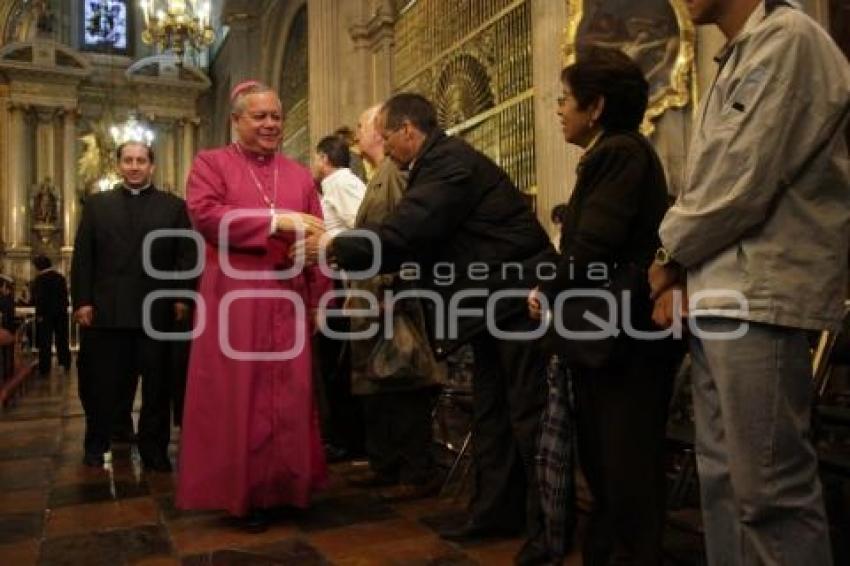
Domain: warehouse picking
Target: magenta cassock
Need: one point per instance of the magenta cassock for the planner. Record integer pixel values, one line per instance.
(250, 435)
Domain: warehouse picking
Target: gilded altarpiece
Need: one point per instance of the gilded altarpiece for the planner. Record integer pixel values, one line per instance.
(473, 59)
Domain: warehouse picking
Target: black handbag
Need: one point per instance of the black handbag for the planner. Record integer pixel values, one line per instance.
(580, 315)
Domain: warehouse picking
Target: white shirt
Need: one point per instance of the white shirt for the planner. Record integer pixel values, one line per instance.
(342, 193)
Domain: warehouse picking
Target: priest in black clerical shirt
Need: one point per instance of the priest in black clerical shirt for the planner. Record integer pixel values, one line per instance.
(109, 284)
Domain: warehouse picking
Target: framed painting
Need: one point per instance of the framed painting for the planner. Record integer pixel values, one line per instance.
(657, 34)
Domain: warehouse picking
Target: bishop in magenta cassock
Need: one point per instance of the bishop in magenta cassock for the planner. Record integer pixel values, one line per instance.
(250, 437)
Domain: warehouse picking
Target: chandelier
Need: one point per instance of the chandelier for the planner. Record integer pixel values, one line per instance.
(171, 24)
(131, 131)
(107, 182)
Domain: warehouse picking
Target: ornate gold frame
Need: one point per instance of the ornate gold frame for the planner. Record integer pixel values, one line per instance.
(681, 88)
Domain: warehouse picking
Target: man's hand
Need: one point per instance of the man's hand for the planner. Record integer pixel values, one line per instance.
(295, 221)
(84, 315)
(314, 321)
(662, 277)
(181, 311)
(670, 306)
(311, 246)
(533, 301)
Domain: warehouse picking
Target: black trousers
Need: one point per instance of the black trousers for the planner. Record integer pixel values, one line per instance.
(509, 393)
(112, 359)
(621, 415)
(399, 436)
(179, 365)
(125, 394)
(341, 413)
(52, 328)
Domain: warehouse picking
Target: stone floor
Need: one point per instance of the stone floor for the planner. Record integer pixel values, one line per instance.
(54, 510)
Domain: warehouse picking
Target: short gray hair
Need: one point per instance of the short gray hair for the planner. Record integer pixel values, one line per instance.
(237, 103)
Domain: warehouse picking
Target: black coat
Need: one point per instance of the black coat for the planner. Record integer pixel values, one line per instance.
(613, 214)
(461, 213)
(7, 315)
(107, 271)
(49, 295)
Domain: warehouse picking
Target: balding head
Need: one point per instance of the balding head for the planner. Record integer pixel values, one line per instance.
(369, 139)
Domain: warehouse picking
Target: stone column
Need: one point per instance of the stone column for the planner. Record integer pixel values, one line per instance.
(16, 162)
(4, 167)
(555, 160)
(7, 172)
(243, 45)
(187, 153)
(165, 175)
(382, 59)
(70, 204)
(45, 144)
(819, 10)
(373, 42)
(322, 44)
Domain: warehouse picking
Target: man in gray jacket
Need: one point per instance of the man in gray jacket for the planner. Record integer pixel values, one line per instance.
(761, 231)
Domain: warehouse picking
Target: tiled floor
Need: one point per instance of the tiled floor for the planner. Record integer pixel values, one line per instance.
(54, 510)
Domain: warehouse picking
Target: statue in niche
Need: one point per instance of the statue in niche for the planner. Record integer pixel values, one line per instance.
(45, 205)
(44, 17)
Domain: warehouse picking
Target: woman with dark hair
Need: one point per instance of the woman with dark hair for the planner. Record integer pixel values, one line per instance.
(612, 219)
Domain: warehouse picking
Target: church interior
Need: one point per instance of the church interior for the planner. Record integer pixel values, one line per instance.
(77, 75)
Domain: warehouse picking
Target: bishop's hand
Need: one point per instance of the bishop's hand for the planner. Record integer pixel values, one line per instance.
(311, 247)
(298, 222)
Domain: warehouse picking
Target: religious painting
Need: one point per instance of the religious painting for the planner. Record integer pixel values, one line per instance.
(657, 34)
(106, 25)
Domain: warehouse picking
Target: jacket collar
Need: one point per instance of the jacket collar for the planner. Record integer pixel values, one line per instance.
(762, 11)
(427, 145)
(593, 146)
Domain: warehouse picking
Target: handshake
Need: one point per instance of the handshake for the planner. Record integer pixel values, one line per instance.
(311, 237)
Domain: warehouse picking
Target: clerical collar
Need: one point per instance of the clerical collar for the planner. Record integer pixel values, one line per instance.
(135, 192)
(253, 155)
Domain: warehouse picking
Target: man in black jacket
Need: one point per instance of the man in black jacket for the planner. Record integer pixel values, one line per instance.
(7, 323)
(469, 230)
(109, 284)
(49, 295)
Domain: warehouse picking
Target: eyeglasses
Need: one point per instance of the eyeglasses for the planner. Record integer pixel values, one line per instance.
(563, 98)
(386, 132)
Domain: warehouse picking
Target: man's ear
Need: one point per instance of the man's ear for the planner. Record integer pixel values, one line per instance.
(408, 128)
